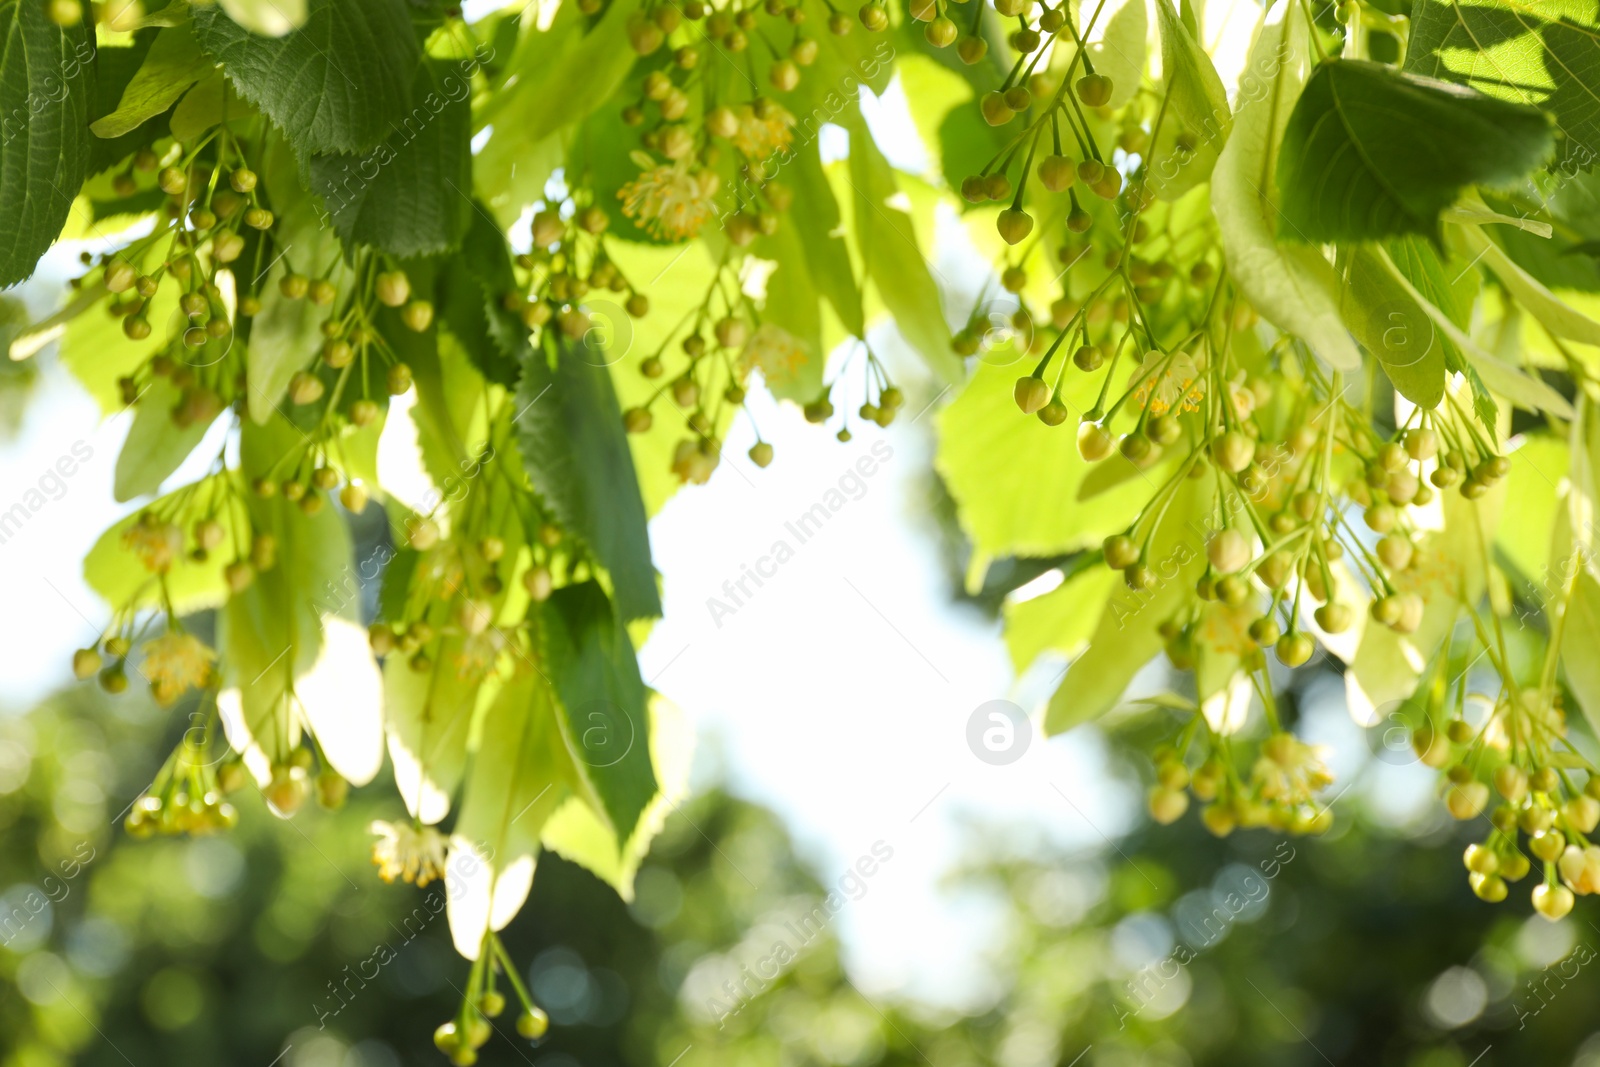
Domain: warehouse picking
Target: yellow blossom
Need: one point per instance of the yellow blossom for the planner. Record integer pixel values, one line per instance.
(761, 135)
(671, 201)
(405, 852)
(776, 352)
(1169, 382)
(156, 543)
(479, 654)
(175, 663)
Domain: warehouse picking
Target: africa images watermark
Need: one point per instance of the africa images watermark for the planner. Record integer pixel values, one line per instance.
(1203, 928)
(850, 486)
(51, 485)
(463, 863)
(53, 890)
(346, 188)
(798, 934)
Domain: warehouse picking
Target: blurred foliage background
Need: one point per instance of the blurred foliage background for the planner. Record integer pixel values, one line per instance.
(1168, 947)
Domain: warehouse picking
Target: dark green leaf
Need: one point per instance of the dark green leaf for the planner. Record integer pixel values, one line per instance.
(337, 84)
(576, 453)
(409, 196)
(603, 700)
(1545, 54)
(472, 287)
(827, 255)
(46, 88)
(1371, 152)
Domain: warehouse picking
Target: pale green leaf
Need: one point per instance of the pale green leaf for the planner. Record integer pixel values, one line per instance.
(156, 446)
(173, 63)
(520, 775)
(891, 257)
(1394, 328)
(428, 716)
(117, 575)
(1556, 316)
(286, 334)
(555, 79)
(1125, 637)
(1197, 119)
(1292, 286)
(1059, 621)
(1119, 46)
(1578, 661)
(1016, 480)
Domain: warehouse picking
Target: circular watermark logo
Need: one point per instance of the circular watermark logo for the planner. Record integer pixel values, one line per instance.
(605, 732)
(610, 334)
(213, 351)
(1402, 333)
(998, 732)
(1389, 736)
(1002, 336)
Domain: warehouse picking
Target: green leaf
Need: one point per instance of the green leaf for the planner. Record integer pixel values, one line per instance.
(1484, 369)
(521, 773)
(1119, 46)
(286, 334)
(1544, 54)
(1062, 620)
(114, 68)
(1419, 262)
(578, 833)
(156, 446)
(203, 107)
(116, 574)
(791, 305)
(271, 634)
(576, 453)
(46, 88)
(1197, 120)
(827, 253)
(173, 63)
(1556, 316)
(887, 242)
(1126, 638)
(336, 84)
(1292, 286)
(1450, 571)
(557, 78)
(270, 18)
(605, 714)
(1395, 329)
(1013, 477)
(428, 717)
(409, 196)
(1372, 152)
(1578, 661)
(473, 285)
